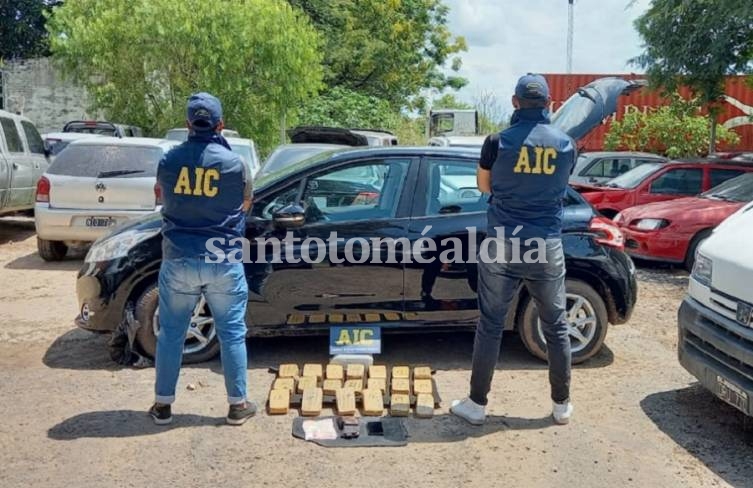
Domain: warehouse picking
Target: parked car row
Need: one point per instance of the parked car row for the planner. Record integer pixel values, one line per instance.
(362, 192)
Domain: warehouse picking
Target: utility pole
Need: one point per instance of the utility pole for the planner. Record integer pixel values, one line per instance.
(570, 19)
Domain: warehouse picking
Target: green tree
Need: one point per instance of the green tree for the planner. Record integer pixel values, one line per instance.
(341, 107)
(697, 43)
(386, 48)
(675, 130)
(22, 32)
(141, 59)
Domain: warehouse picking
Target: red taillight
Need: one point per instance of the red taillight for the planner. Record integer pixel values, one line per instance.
(607, 233)
(157, 194)
(43, 190)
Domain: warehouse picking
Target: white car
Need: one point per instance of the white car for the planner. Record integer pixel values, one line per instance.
(246, 149)
(93, 185)
(181, 134)
(715, 321)
(469, 142)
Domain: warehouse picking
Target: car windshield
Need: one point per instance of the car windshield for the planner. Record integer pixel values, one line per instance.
(244, 152)
(573, 112)
(285, 156)
(265, 179)
(635, 176)
(100, 160)
(738, 189)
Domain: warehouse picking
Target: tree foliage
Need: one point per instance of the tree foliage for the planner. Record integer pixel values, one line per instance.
(341, 107)
(696, 43)
(675, 130)
(385, 48)
(141, 59)
(22, 32)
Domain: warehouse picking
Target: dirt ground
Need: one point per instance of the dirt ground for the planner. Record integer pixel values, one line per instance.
(72, 418)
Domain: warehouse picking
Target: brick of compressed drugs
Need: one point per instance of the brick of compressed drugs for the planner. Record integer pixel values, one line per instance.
(373, 402)
(288, 371)
(284, 384)
(311, 402)
(424, 405)
(307, 382)
(355, 371)
(377, 384)
(399, 405)
(378, 371)
(401, 385)
(346, 401)
(279, 402)
(312, 370)
(422, 386)
(330, 387)
(335, 372)
(401, 372)
(355, 385)
(422, 373)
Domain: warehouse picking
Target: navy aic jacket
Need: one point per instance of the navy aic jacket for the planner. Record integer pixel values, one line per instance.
(529, 176)
(202, 184)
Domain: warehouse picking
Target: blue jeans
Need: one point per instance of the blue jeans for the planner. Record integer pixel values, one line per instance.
(497, 287)
(181, 284)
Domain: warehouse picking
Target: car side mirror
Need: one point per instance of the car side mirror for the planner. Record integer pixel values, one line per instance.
(289, 217)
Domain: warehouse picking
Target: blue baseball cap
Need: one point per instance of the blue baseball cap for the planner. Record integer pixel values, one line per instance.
(532, 87)
(204, 111)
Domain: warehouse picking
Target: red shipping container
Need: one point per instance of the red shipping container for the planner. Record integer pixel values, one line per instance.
(737, 108)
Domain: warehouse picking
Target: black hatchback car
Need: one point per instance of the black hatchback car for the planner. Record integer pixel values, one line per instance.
(362, 194)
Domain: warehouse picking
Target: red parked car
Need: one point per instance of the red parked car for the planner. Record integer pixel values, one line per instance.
(672, 231)
(658, 182)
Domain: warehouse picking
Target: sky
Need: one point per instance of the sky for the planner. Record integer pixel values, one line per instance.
(508, 38)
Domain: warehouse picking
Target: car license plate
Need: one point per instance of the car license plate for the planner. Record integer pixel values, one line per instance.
(732, 394)
(365, 339)
(100, 222)
(744, 313)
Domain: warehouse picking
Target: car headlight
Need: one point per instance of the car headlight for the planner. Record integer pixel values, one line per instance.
(118, 245)
(702, 270)
(651, 224)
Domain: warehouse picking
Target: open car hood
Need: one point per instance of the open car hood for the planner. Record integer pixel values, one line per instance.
(326, 135)
(591, 104)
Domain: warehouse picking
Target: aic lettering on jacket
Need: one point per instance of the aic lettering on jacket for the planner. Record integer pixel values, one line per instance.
(203, 183)
(540, 162)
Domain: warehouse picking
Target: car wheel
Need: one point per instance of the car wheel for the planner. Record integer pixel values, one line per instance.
(201, 341)
(586, 317)
(51, 250)
(695, 243)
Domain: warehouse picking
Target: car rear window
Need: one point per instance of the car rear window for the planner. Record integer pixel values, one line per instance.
(84, 128)
(107, 160)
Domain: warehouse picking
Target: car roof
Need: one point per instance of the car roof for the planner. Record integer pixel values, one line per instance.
(5, 113)
(125, 141)
(240, 141)
(357, 152)
(463, 139)
(69, 136)
(602, 154)
(723, 162)
(311, 145)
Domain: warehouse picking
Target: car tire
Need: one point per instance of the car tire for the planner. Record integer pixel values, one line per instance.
(591, 310)
(51, 250)
(146, 313)
(693, 247)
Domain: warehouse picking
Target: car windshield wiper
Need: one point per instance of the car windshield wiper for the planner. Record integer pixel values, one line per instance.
(719, 196)
(118, 172)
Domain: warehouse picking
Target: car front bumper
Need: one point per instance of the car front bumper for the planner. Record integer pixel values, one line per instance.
(718, 351)
(55, 224)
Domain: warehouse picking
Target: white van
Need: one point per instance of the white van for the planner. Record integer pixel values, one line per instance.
(23, 159)
(716, 318)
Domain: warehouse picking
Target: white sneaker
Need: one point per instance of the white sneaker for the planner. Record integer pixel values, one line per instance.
(562, 412)
(469, 411)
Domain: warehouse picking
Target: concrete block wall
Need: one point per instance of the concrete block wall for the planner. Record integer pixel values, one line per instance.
(36, 89)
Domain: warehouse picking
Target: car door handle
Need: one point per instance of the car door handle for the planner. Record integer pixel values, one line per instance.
(15, 165)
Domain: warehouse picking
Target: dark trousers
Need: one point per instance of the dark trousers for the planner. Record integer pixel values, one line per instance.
(497, 286)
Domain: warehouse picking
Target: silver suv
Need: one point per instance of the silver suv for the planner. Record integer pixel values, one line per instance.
(93, 185)
(22, 162)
